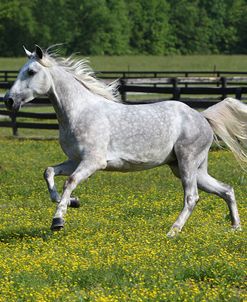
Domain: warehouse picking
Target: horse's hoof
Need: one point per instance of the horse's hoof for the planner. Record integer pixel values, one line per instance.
(173, 232)
(236, 228)
(74, 203)
(57, 224)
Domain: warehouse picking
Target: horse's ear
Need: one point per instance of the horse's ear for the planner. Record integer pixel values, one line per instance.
(28, 53)
(39, 52)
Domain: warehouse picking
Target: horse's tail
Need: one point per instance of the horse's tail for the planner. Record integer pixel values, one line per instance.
(228, 120)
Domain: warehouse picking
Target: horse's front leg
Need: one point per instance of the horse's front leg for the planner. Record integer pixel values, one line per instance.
(66, 168)
(84, 170)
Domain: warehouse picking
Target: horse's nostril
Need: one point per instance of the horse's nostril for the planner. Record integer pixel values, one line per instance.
(9, 102)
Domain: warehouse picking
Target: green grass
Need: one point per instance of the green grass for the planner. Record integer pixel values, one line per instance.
(195, 62)
(114, 247)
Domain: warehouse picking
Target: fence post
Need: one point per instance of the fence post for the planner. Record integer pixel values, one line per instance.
(122, 90)
(186, 75)
(155, 76)
(14, 124)
(238, 93)
(223, 85)
(176, 89)
(218, 75)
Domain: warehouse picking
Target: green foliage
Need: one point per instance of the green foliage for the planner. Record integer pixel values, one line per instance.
(108, 27)
(149, 26)
(17, 25)
(99, 28)
(53, 21)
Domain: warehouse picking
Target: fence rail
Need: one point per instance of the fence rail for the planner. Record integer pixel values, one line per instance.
(10, 75)
(198, 89)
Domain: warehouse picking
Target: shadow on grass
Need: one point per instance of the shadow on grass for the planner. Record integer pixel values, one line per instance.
(17, 234)
(111, 276)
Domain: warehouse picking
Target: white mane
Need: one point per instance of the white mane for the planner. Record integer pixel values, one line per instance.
(83, 73)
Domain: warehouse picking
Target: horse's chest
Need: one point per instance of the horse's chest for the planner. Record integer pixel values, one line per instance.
(71, 145)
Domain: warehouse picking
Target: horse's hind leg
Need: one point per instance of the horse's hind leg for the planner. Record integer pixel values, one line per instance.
(66, 168)
(190, 199)
(209, 184)
(187, 173)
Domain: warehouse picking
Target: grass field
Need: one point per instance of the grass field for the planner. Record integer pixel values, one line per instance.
(135, 63)
(114, 248)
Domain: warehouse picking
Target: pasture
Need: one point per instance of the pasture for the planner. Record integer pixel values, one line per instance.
(114, 247)
(135, 63)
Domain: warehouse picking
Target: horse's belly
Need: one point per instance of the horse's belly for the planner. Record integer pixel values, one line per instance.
(137, 162)
(127, 166)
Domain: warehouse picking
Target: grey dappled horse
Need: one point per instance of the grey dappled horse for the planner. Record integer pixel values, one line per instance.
(98, 132)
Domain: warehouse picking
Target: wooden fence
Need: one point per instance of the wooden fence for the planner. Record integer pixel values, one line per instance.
(197, 89)
(10, 75)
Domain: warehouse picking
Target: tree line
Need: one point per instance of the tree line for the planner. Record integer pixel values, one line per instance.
(116, 27)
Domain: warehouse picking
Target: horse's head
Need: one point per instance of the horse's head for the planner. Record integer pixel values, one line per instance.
(33, 80)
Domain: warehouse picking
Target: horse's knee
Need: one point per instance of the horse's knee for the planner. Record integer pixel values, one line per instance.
(71, 183)
(191, 201)
(49, 172)
(229, 195)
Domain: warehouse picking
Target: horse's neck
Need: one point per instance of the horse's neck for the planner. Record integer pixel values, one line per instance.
(67, 95)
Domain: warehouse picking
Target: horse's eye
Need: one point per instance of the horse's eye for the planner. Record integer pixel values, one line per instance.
(30, 72)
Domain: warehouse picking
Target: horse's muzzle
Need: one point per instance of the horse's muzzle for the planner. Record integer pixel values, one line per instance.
(9, 103)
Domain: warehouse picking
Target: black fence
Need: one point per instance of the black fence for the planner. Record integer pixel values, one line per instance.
(10, 75)
(197, 89)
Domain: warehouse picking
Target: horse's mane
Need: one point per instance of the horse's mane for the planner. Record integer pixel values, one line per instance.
(83, 73)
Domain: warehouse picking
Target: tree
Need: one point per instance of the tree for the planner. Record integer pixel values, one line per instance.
(238, 18)
(149, 26)
(100, 27)
(17, 26)
(125, 26)
(187, 25)
(220, 25)
(52, 23)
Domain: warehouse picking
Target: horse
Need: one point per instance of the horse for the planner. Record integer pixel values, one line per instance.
(99, 132)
